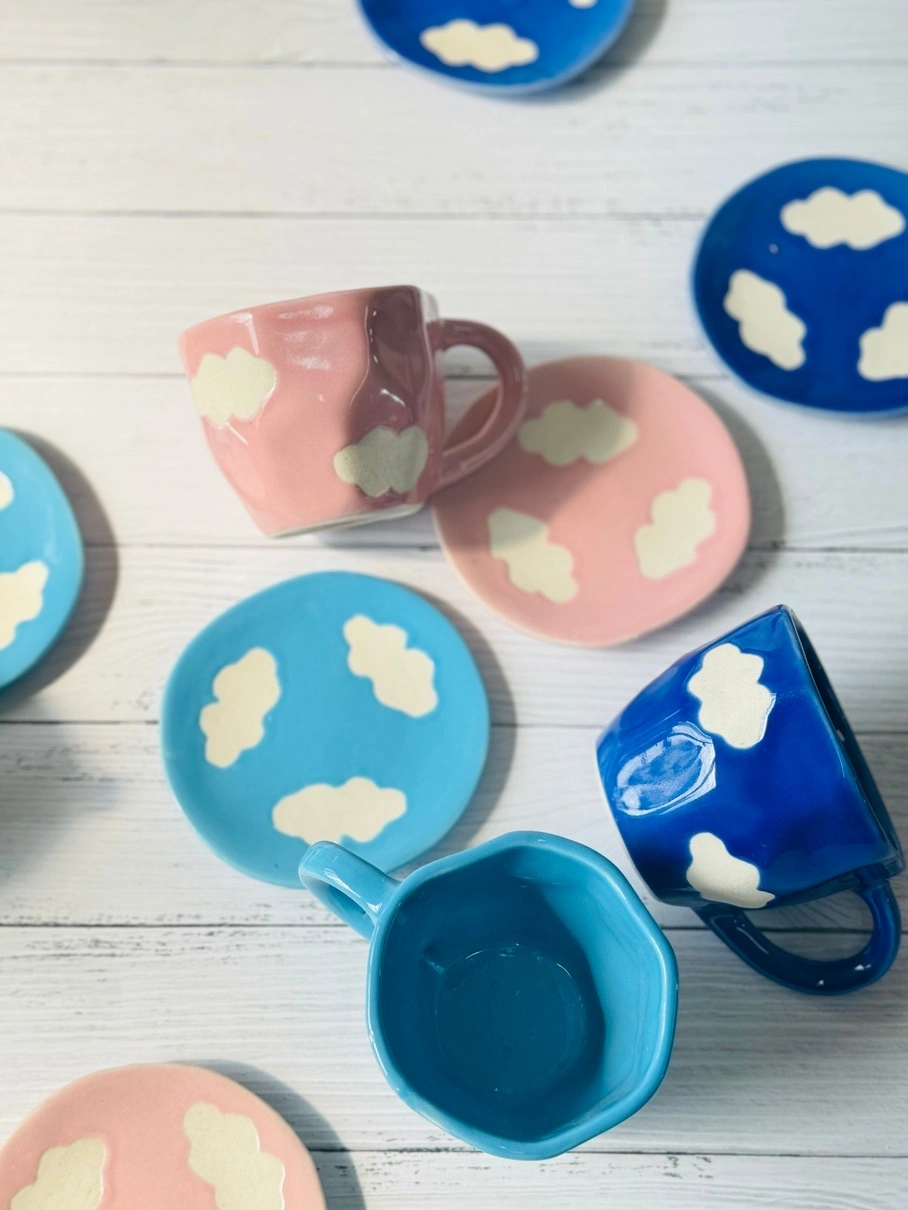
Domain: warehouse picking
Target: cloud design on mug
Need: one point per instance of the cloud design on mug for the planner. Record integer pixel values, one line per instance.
(680, 521)
(489, 48)
(384, 461)
(358, 810)
(225, 1152)
(734, 704)
(244, 693)
(232, 387)
(7, 494)
(21, 598)
(402, 677)
(884, 350)
(69, 1178)
(565, 432)
(722, 878)
(765, 323)
(534, 563)
(830, 217)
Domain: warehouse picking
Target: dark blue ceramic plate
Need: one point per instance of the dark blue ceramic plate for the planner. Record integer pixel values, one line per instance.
(503, 46)
(801, 285)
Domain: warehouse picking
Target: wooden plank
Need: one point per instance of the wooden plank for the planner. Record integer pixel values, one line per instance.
(755, 1068)
(112, 667)
(323, 31)
(91, 835)
(116, 473)
(660, 141)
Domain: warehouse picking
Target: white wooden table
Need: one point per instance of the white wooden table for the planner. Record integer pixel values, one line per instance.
(166, 160)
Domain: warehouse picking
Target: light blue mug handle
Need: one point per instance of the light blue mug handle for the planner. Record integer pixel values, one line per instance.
(350, 887)
(807, 974)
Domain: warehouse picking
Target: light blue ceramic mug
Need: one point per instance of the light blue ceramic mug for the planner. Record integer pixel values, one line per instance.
(519, 994)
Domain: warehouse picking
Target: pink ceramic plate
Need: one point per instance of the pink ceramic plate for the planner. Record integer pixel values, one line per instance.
(160, 1138)
(621, 504)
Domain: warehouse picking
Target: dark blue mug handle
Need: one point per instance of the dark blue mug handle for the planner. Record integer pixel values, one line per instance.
(807, 974)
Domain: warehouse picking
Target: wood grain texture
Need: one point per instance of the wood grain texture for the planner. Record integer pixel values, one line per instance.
(755, 1068)
(151, 139)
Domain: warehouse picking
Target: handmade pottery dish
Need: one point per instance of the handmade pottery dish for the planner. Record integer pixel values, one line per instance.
(737, 783)
(621, 504)
(156, 1135)
(41, 558)
(330, 707)
(330, 411)
(499, 46)
(800, 285)
(519, 995)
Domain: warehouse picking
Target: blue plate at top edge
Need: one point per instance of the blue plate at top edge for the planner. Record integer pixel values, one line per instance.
(498, 46)
(41, 558)
(835, 274)
(333, 706)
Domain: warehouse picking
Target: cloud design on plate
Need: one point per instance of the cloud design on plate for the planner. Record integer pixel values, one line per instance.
(830, 217)
(358, 810)
(884, 350)
(384, 461)
(722, 878)
(231, 387)
(765, 323)
(534, 563)
(7, 494)
(69, 1178)
(565, 432)
(244, 693)
(401, 676)
(225, 1151)
(679, 521)
(489, 48)
(21, 598)
(733, 703)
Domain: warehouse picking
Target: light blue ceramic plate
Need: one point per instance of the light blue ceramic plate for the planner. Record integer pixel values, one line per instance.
(801, 285)
(501, 46)
(331, 707)
(41, 558)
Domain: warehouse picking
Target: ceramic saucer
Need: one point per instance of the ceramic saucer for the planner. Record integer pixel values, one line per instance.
(40, 558)
(499, 46)
(620, 505)
(801, 285)
(158, 1137)
(330, 707)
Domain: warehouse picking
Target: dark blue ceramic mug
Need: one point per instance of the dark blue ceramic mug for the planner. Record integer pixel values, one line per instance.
(519, 994)
(737, 783)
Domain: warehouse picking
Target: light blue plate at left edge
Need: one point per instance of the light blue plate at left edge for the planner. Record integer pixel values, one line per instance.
(333, 706)
(41, 558)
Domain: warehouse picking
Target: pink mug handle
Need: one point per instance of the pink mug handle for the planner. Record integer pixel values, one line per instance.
(504, 419)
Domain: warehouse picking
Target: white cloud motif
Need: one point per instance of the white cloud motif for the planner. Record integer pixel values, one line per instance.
(679, 521)
(7, 494)
(722, 878)
(384, 461)
(402, 677)
(235, 721)
(225, 1152)
(765, 323)
(830, 217)
(21, 598)
(582, 3)
(733, 703)
(535, 564)
(358, 810)
(490, 48)
(884, 350)
(233, 386)
(565, 432)
(69, 1178)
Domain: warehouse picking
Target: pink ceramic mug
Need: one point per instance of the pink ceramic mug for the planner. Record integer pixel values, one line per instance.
(330, 410)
